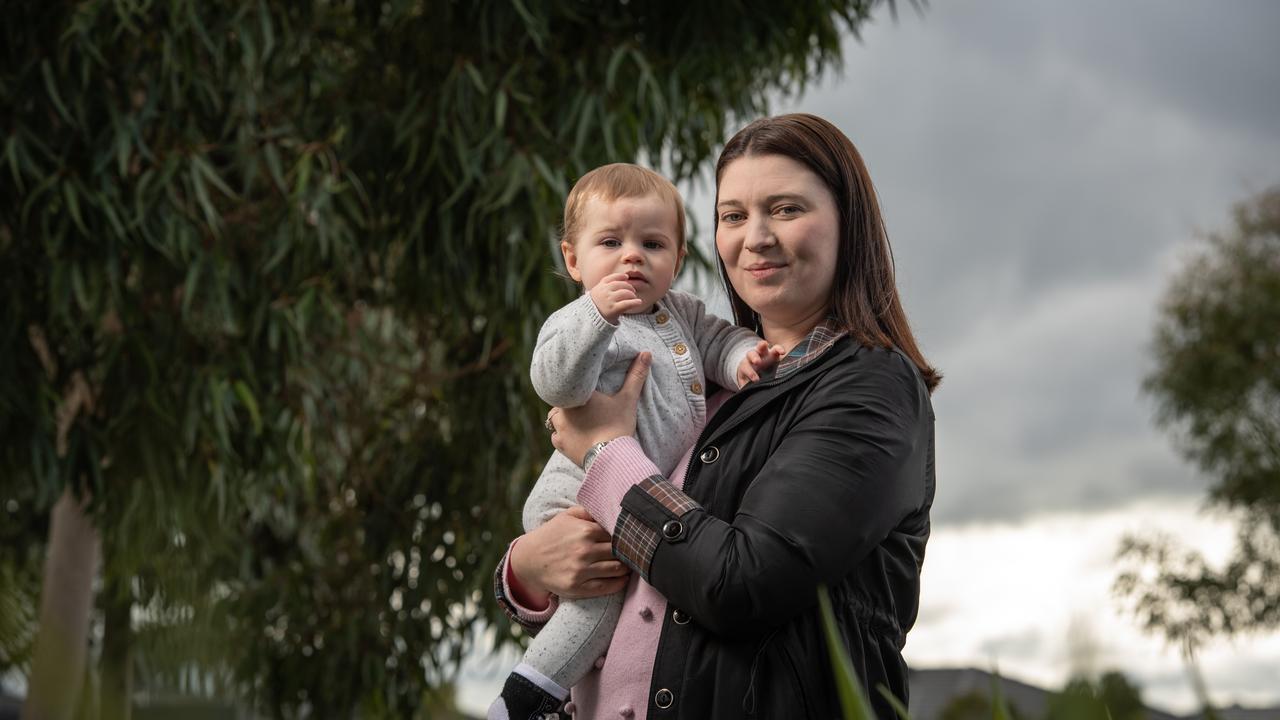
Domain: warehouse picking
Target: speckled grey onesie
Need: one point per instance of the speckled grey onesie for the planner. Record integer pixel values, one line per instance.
(579, 352)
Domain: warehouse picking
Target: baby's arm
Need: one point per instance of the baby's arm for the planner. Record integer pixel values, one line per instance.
(724, 346)
(570, 353)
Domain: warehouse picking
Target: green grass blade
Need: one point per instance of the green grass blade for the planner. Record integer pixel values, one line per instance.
(852, 699)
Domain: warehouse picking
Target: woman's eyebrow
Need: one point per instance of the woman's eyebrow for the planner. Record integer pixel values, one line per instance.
(770, 200)
(783, 197)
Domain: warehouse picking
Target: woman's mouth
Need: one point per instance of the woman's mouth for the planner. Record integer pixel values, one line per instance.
(761, 271)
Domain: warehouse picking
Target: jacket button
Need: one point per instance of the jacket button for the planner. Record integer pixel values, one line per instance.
(696, 388)
(680, 617)
(661, 318)
(663, 698)
(673, 530)
(599, 662)
(680, 348)
(626, 712)
(570, 708)
(646, 614)
(710, 455)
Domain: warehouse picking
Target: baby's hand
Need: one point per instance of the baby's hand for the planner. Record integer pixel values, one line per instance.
(761, 357)
(614, 297)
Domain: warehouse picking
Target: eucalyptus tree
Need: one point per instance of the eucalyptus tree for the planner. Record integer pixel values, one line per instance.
(271, 275)
(1216, 383)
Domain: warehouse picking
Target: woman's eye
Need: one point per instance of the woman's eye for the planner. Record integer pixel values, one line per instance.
(731, 217)
(788, 210)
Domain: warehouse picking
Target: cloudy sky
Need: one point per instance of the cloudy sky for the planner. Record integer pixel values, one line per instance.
(1044, 167)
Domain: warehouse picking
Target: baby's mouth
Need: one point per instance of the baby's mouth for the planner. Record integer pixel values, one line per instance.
(633, 277)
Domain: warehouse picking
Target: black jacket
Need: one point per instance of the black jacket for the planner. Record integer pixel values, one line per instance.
(825, 476)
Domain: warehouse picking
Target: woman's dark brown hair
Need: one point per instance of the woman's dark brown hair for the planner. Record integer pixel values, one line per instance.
(865, 295)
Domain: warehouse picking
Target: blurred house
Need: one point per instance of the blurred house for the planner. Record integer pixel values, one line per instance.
(933, 690)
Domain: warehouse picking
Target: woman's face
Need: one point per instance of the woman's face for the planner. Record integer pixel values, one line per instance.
(777, 234)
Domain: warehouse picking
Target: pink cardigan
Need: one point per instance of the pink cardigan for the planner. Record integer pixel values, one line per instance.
(619, 689)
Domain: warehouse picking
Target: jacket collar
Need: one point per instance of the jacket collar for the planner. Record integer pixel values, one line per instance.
(810, 348)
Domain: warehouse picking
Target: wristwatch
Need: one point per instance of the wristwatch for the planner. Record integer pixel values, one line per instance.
(592, 452)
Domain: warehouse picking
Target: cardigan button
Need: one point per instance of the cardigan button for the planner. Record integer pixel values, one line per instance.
(661, 318)
(710, 455)
(696, 388)
(680, 617)
(663, 698)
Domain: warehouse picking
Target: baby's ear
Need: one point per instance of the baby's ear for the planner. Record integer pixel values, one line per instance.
(684, 252)
(570, 260)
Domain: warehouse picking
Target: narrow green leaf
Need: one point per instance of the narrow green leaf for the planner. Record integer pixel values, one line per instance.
(476, 77)
(11, 154)
(272, 154)
(611, 73)
(202, 197)
(852, 700)
(207, 170)
(898, 708)
(250, 404)
(51, 86)
(218, 412)
(500, 109)
(555, 181)
(190, 287)
(73, 205)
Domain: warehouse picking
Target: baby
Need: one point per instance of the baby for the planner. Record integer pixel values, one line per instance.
(624, 241)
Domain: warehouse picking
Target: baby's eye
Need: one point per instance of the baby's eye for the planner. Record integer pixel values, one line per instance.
(611, 242)
(653, 244)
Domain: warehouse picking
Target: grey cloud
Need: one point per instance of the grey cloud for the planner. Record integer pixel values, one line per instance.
(1039, 163)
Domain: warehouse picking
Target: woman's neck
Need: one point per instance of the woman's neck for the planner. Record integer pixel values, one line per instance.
(790, 332)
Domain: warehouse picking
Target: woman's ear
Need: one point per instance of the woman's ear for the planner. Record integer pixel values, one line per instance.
(570, 260)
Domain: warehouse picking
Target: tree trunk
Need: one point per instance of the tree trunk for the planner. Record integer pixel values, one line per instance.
(117, 651)
(66, 598)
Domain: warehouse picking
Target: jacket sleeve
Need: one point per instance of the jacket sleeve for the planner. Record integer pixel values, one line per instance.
(570, 353)
(722, 344)
(529, 619)
(846, 473)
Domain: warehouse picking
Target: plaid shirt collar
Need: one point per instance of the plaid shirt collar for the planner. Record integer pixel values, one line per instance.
(810, 348)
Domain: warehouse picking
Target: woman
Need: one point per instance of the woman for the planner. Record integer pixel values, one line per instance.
(819, 474)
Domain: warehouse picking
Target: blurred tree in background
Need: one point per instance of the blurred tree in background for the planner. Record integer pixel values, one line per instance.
(1217, 385)
(1111, 697)
(271, 275)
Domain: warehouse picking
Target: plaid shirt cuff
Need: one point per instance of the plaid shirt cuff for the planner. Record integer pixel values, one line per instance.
(651, 513)
(531, 620)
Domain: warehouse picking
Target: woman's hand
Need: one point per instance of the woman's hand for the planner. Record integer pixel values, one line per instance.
(604, 417)
(569, 555)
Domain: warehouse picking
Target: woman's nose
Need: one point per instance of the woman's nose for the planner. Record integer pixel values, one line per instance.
(760, 236)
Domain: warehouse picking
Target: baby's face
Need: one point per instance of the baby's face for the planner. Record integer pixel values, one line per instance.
(637, 236)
